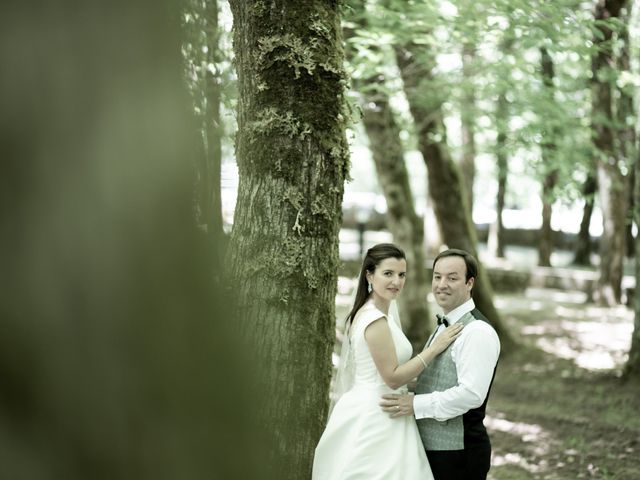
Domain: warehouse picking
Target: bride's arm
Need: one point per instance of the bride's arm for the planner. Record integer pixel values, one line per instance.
(383, 351)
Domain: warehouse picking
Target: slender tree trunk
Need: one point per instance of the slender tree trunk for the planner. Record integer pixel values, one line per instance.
(583, 240)
(545, 245)
(203, 57)
(283, 252)
(630, 240)
(213, 126)
(632, 367)
(611, 181)
(496, 242)
(468, 115)
(403, 221)
(625, 113)
(445, 182)
(405, 225)
(626, 136)
(496, 231)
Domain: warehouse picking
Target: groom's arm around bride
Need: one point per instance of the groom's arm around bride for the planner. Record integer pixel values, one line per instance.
(452, 392)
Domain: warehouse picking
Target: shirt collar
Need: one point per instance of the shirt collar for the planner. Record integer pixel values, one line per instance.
(457, 313)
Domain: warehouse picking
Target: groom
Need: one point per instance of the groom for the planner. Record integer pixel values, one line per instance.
(452, 391)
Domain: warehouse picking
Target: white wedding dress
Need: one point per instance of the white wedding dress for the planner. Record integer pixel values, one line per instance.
(361, 442)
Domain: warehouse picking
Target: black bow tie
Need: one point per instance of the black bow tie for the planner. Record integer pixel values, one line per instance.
(442, 320)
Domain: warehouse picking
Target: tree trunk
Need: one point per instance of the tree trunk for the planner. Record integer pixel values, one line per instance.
(545, 245)
(495, 242)
(116, 356)
(283, 252)
(445, 183)
(626, 136)
(203, 57)
(632, 367)
(583, 240)
(468, 114)
(611, 182)
(213, 127)
(404, 223)
(496, 231)
(630, 240)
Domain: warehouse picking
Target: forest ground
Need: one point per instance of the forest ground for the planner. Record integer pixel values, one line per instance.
(558, 408)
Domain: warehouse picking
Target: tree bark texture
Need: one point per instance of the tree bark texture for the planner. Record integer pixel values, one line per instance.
(545, 245)
(283, 253)
(612, 186)
(582, 254)
(444, 179)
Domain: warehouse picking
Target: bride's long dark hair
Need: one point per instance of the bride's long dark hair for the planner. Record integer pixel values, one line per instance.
(372, 259)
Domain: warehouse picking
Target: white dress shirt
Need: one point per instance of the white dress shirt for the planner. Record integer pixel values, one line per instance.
(475, 353)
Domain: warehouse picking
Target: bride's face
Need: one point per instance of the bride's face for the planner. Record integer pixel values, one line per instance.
(388, 278)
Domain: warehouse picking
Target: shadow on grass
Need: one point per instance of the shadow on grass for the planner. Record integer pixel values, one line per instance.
(558, 408)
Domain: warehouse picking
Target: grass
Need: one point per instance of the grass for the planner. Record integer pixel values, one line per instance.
(563, 413)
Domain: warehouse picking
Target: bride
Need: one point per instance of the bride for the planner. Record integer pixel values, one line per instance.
(360, 440)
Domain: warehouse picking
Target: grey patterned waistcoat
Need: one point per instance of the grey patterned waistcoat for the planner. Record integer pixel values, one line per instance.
(455, 433)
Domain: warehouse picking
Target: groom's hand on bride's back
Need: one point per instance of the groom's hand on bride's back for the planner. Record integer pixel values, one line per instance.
(397, 405)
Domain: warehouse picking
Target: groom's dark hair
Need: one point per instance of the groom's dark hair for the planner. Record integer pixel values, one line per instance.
(469, 261)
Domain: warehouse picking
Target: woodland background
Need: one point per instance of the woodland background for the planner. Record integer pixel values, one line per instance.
(188, 188)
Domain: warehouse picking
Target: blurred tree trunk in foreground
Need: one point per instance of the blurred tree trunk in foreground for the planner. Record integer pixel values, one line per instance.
(444, 180)
(545, 245)
(388, 154)
(612, 188)
(116, 352)
(292, 158)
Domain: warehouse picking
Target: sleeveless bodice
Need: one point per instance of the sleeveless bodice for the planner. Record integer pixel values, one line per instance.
(366, 373)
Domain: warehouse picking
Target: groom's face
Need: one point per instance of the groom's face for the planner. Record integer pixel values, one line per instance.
(449, 284)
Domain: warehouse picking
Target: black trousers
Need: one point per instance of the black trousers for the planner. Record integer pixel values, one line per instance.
(467, 464)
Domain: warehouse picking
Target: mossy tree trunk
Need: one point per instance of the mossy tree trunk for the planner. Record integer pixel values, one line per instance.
(612, 184)
(416, 65)
(545, 245)
(283, 252)
(403, 222)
